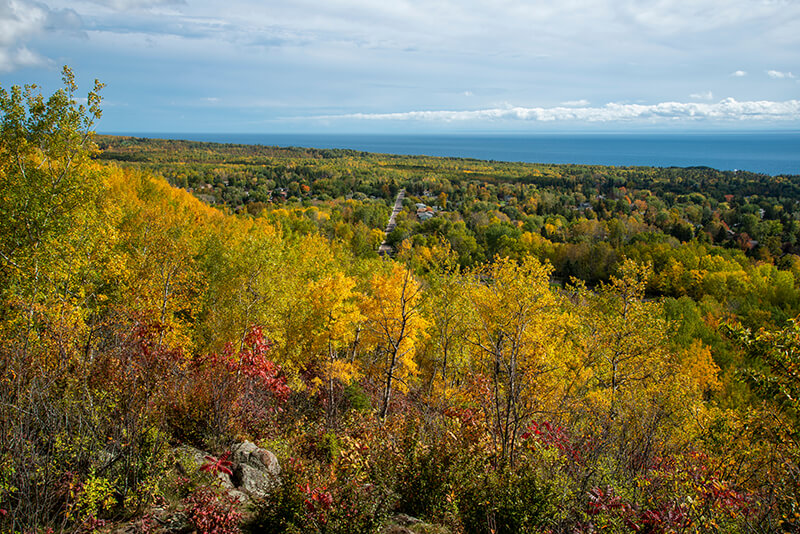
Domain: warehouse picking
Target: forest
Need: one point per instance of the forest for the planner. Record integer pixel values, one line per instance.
(548, 349)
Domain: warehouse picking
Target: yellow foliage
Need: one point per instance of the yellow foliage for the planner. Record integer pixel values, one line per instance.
(394, 326)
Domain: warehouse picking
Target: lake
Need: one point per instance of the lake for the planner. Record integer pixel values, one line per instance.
(765, 152)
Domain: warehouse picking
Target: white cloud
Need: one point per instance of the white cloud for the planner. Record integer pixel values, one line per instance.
(779, 75)
(20, 57)
(726, 110)
(576, 103)
(20, 21)
(739, 74)
(708, 95)
(125, 5)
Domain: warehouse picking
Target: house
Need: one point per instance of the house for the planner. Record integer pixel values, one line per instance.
(424, 212)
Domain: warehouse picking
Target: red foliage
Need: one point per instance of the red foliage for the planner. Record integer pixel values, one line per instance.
(318, 502)
(465, 416)
(604, 500)
(665, 517)
(218, 465)
(549, 435)
(252, 362)
(211, 513)
(234, 389)
(317, 498)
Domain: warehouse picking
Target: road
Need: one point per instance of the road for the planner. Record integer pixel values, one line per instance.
(398, 205)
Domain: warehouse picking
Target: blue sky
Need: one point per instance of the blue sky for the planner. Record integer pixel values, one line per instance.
(413, 66)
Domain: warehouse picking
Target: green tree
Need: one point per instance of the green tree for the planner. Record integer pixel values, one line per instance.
(44, 158)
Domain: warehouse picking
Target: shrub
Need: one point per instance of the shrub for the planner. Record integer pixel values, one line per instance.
(356, 398)
(346, 507)
(425, 482)
(281, 511)
(505, 502)
(211, 512)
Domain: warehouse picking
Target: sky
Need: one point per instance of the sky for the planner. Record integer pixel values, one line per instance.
(399, 66)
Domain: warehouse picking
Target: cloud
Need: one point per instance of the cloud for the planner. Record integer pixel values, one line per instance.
(739, 74)
(576, 103)
(20, 57)
(126, 5)
(708, 95)
(779, 75)
(725, 110)
(184, 27)
(20, 21)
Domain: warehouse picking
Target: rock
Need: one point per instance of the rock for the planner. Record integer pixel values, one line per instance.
(239, 496)
(405, 520)
(157, 520)
(249, 454)
(175, 522)
(256, 471)
(187, 453)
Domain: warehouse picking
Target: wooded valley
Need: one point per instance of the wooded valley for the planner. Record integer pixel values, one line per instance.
(549, 348)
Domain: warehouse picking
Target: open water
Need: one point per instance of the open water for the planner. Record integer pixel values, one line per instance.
(764, 152)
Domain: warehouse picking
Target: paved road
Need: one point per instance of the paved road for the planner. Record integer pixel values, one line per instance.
(398, 205)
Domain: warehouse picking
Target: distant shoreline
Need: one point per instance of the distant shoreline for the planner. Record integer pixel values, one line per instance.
(773, 153)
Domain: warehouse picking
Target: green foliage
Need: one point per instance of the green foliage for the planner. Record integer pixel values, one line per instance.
(505, 503)
(134, 317)
(357, 399)
(281, 512)
(428, 473)
(93, 498)
(779, 352)
(46, 179)
(297, 507)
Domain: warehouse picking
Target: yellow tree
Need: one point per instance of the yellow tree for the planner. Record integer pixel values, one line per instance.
(162, 231)
(331, 326)
(640, 393)
(52, 221)
(244, 263)
(393, 326)
(514, 334)
(447, 309)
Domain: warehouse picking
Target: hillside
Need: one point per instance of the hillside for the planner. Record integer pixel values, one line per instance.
(551, 348)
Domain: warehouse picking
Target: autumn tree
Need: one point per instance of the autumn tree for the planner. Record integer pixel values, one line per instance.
(393, 327)
(56, 236)
(446, 353)
(49, 194)
(642, 395)
(331, 326)
(514, 335)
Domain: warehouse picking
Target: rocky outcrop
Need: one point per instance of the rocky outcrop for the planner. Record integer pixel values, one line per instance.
(255, 471)
(187, 453)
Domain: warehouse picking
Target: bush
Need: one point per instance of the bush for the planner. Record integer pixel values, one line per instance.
(213, 512)
(425, 482)
(505, 502)
(282, 511)
(357, 399)
(349, 507)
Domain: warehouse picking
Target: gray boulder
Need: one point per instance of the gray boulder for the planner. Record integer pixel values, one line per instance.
(256, 470)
